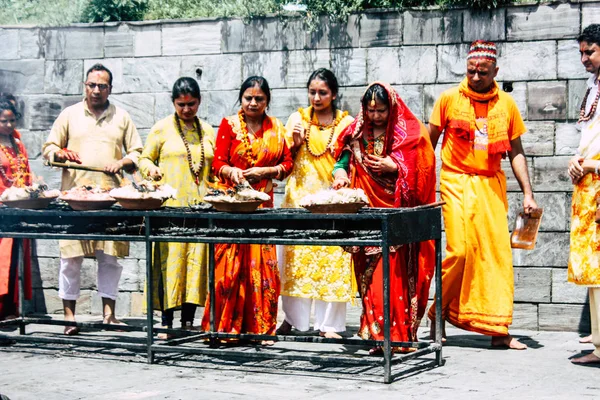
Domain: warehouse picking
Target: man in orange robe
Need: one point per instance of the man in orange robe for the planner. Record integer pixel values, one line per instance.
(481, 125)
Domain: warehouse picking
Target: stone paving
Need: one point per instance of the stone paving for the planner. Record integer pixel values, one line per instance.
(472, 370)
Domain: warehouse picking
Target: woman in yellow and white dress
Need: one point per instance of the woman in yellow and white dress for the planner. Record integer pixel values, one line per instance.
(322, 274)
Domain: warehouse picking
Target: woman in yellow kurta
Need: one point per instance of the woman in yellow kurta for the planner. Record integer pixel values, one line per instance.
(179, 152)
(318, 273)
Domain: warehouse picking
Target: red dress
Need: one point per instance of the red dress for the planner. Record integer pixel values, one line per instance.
(9, 278)
(411, 266)
(246, 275)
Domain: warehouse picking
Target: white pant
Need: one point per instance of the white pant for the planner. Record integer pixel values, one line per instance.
(594, 293)
(329, 316)
(69, 277)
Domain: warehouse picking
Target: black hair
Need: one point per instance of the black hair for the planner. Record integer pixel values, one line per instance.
(326, 76)
(254, 81)
(7, 97)
(380, 93)
(185, 85)
(100, 67)
(7, 105)
(590, 34)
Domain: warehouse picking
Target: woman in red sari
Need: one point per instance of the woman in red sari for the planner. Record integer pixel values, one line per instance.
(250, 147)
(14, 171)
(386, 152)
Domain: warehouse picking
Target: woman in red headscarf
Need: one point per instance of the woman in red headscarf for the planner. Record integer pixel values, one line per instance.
(386, 152)
(14, 171)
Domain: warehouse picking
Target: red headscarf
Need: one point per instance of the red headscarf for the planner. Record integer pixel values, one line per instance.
(402, 137)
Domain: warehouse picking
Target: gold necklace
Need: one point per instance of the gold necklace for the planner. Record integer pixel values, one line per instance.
(335, 121)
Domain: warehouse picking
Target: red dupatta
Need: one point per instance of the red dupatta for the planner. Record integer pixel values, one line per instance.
(402, 137)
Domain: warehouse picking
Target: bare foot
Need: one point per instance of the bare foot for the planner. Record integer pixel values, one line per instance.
(586, 339)
(267, 342)
(284, 329)
(111, 319)
(330, 335)
(432, 331)
(587, 359)
(165, 335)
(508, 342)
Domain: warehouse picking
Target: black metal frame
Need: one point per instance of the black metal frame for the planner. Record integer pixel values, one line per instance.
(370, 227)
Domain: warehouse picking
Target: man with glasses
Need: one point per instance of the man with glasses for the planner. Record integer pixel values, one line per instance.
(94, 133)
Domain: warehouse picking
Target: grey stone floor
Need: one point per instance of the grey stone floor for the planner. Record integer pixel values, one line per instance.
(472, 371)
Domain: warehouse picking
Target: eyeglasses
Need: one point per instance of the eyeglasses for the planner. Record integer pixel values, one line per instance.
(100, 86)
(8, 121)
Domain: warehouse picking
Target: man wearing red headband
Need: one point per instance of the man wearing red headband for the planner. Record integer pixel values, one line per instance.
(481, 125)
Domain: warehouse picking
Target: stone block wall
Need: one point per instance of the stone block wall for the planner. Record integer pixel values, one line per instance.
(421, 53)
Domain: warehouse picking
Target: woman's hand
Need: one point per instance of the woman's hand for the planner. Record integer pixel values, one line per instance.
(299, 135)
(236, 175)
(155, 173)
(380, 165)
(256, 174)
(576, 168)
(340, 180)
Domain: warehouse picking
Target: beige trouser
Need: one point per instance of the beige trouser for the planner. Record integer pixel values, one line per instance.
(595, 318)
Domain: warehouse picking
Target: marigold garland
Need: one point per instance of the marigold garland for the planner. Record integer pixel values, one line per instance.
(18, 167)
(250, 156)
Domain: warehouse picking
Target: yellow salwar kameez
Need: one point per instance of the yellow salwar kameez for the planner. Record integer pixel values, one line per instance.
(319, 273)
(179, 269)
(477, 273)
(314, 272)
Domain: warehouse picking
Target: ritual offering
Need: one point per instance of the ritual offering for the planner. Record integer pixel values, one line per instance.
(242, 198)
(342, 201)
(34, 197)
(145, 195)
(85, 198)
(526, 228)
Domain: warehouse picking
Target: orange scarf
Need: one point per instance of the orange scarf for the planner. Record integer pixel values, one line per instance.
(462, 117)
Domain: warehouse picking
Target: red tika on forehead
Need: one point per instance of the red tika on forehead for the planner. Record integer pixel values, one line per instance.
(480, 49)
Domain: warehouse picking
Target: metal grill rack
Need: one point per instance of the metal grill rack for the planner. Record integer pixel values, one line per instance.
(369, 227)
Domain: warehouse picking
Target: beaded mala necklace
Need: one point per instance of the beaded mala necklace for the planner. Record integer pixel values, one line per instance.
(250, 157)
(582, 115)
(18, 166)
(195, 170)
(322, 128)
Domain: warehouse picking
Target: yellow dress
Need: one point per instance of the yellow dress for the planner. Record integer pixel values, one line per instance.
(179, 269)
(314, 272)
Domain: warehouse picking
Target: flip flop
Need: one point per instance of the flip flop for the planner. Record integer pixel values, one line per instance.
(71, 330)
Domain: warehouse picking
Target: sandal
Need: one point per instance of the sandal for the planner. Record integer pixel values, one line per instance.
(71, 330)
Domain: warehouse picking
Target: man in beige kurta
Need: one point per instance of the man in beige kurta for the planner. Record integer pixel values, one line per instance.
(94, 133)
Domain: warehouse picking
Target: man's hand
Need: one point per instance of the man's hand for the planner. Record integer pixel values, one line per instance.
(64, 155)
(576, 168)
(529, 204)
(114, 168)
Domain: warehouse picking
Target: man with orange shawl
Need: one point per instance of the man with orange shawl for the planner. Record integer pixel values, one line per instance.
(386, 152)
(481, 125)
(250, 147)
(584, 169)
